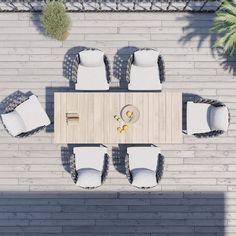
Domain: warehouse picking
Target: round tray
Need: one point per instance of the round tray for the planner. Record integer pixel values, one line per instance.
(134, 110)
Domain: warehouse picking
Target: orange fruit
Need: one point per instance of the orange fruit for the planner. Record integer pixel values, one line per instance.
(119, 129)
(129, 114)
(125, 128)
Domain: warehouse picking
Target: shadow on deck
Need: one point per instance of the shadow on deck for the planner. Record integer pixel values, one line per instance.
(199, 30)
(112, 213)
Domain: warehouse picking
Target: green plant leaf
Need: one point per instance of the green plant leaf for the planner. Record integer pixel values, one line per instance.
(224, 25)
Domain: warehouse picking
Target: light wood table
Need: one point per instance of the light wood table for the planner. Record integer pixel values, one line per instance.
(160, 118)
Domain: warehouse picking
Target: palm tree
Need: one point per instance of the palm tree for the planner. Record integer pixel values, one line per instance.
(225, 25)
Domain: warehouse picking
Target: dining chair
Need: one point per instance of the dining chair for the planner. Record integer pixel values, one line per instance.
(24, 116)
(145, 70)
(89, 166)
(207, 118)
(144, 166)
(91, 70)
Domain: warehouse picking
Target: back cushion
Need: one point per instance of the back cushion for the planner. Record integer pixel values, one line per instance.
(146, 58)
(13, 122)
(88, 177)
(143, 178)
(91, 58)
(32, 113)
(219, 118)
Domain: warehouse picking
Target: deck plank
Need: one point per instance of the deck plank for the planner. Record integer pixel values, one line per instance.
(197, 194)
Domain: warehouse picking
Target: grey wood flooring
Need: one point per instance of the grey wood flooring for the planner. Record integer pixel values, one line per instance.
(197, 195)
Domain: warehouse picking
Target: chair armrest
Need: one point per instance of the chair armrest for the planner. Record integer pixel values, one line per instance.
(161, 66)
(210, 101)
(105, 167)
(160, 167)
(108, 69)
(75, 68)
(73, 171)
(11, 102)
(210, 134)
(127, 170)
(128, 69)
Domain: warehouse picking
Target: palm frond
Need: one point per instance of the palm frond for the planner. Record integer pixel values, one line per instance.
(229, 7)
(230, 43)
(224, 25)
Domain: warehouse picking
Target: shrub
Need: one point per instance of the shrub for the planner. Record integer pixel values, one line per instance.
(55, 20)
(225, 25)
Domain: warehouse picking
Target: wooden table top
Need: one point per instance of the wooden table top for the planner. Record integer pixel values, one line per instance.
(160, 118)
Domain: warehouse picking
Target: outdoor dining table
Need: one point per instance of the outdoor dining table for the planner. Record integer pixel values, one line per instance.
(95, 117)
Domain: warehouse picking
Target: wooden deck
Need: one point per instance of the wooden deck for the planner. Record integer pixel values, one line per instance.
(197, 195)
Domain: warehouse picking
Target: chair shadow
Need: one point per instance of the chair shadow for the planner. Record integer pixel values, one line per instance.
(118, 157)
(195, 29)
(187, 97)
(65, 158)
(120, 65)
(66, 152)
(50, 103)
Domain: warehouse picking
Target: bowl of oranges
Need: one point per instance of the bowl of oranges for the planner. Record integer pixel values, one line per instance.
(130, 114)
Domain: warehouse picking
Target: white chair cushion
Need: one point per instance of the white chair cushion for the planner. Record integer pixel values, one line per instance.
(91, 78)
(219, 118)
(91, 58)
(89, 178)
(143, 157)
(144, 178)
(89, 157)
(13, 123)
(144, 78)
(146, 58)
(32, 113)
(198, 115)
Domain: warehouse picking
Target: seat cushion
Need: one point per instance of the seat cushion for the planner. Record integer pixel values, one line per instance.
(146, 58)
(89, 178)
(32, 113)
(198, 116)
(13, 123)
(144, 178)
(143, 157)
(144, 78)
(91, 78)
(91, 58)
(89, 157)
(219, 118)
